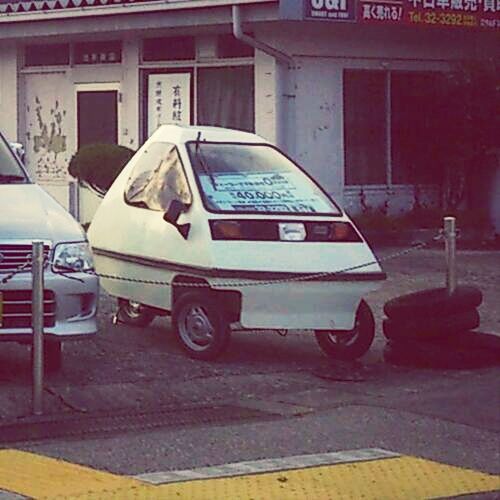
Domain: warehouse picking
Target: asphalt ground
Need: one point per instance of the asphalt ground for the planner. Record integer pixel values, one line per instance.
(282, 396)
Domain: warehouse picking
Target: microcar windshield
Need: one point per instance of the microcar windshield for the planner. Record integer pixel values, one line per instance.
(254, 178)
(10, 170)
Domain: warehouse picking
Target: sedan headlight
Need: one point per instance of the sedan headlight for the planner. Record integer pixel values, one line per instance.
(72, 257)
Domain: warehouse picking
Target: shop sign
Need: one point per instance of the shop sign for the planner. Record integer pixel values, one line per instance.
(375, 11)
(169, 100)
(458, 13)
(451, 13)
(332, 10)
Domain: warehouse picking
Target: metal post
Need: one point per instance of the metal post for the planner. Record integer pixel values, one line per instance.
(450, 238)
(74, 202)
(37, 325)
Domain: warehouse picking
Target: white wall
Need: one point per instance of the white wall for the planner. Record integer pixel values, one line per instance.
(266, 96)
(129, 127)
(8, 91)
(397, 199)
(318, 131)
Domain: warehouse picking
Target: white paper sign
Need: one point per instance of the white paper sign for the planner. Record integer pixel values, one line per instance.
(169, 99)
(263, 192)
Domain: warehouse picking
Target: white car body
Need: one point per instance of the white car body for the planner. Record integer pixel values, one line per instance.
(28, 213)
(275, 279)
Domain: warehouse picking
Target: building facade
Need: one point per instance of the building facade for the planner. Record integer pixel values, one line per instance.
(346, 87)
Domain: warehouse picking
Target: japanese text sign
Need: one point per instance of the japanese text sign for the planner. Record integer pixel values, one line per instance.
(169, 99)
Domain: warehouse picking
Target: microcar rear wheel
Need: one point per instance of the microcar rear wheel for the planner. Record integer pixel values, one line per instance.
(351, 344)
(134, 313)
(200, 326)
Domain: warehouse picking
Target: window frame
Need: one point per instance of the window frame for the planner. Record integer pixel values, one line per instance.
(35, 67)
(146, 68)
(201, 192)
(183, 60)
(416, 67)
(386, 151)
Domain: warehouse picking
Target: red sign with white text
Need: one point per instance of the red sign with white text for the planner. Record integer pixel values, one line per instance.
(461, 13)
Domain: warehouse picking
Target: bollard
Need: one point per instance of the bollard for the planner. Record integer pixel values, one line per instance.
(450, 239)
(37, 325)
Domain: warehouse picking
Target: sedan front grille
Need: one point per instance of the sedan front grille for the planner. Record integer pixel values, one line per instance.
(17, 309)
(14, 256)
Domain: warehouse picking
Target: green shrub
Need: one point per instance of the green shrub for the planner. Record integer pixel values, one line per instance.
(98, 165)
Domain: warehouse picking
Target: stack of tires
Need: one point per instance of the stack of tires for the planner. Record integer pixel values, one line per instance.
(433, 329)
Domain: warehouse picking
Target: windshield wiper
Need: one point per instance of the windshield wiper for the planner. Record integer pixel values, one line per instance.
(203, 163)
(11, 178)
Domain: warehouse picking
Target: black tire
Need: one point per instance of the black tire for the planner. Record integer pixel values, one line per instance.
(200, 326)
(431, 326)
(52, 356)
(434, 301)
(351, 344)
(134, 313)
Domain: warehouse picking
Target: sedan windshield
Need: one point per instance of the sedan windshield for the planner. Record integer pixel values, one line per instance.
(250, 178)
(10, 170)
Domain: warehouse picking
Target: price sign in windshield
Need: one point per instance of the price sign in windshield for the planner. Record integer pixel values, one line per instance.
(263, 192)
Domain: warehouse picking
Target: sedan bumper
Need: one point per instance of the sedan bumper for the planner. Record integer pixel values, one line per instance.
(70, 306)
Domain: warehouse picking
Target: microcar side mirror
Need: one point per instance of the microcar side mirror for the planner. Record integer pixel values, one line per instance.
(175, 209)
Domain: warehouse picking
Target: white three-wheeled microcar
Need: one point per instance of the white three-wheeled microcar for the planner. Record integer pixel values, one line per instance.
(221, 230)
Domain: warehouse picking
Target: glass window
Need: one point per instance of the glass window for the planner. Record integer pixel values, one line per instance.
(250, 178)
(417, 123)
(53, 54)
(226, 97)
(158, 178)
(176, 48)
(365, 127)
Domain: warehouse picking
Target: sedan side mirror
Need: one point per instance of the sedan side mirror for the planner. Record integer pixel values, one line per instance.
(175, 209)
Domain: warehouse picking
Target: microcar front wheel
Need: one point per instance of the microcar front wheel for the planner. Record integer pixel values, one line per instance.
(133, 313)
(351, 344)
(200, 326)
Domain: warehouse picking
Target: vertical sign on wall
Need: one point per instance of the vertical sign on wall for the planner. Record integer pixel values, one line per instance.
(169, 99)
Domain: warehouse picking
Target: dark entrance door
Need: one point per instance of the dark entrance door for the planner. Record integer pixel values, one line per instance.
(97, 117)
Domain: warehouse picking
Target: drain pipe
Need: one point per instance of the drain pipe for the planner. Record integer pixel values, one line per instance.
(288, 63)
(238, 34)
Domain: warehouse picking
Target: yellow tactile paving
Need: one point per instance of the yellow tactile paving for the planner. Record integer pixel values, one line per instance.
(405, 478)
(36, 476)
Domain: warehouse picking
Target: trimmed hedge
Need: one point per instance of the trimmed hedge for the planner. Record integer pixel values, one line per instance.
(98, 165)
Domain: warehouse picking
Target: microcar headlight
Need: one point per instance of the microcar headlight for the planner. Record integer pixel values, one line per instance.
(72, 257)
